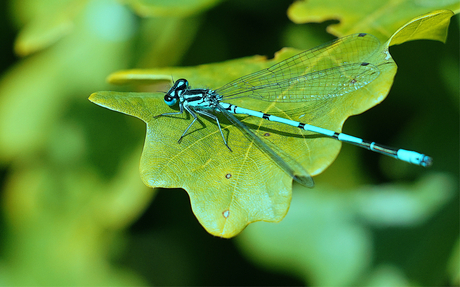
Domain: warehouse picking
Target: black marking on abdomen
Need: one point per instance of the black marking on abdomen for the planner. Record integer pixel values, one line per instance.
(366, 144)
(266, 117)
(230, 107)
(336, 135)
(301, 125)
(383, 149)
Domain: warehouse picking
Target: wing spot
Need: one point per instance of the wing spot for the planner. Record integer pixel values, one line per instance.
(226, 213)
(228, 175)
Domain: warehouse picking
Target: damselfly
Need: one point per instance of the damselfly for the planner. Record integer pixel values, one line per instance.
(293, 80)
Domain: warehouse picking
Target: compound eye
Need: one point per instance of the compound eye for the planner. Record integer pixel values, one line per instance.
(170, 101)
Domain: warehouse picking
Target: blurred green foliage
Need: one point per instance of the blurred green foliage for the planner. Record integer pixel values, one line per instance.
(75, 212)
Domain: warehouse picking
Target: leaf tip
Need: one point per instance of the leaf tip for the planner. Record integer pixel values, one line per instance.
(430, 26)
(92, 97)
(95, 97)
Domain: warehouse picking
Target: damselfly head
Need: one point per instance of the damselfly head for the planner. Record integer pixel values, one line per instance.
(176, 91)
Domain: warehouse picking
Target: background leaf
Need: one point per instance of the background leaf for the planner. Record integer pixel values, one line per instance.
(327, 234)
(162, 8)
(380, 18)
(45, 22)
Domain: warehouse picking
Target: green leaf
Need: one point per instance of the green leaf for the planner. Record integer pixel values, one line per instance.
(430, 26)
(257, 189)
(159, 37)
(454, 264)
(380, 18)
(28, 111)
(166, 8)
(68, 210)
(46, 23)
(229, 190)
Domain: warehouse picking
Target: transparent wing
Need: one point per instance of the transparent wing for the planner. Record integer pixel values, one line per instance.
(277, 155)
(330, 70)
